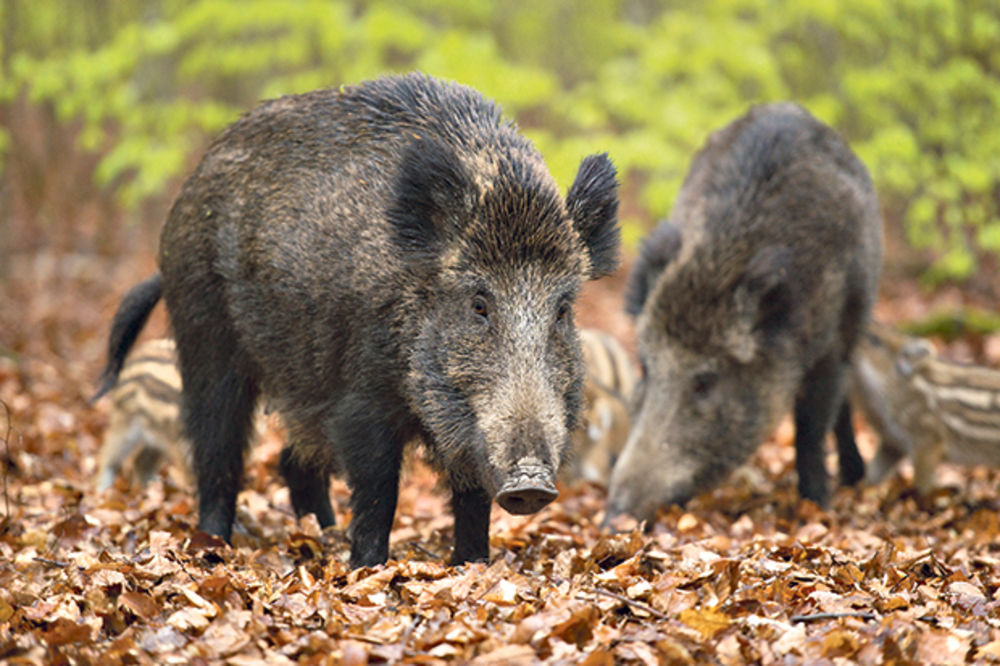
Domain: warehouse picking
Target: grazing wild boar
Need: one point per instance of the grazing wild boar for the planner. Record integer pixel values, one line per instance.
(924, 407)
(387, 262)
(748, 303)
(145, 421)
(609, 379)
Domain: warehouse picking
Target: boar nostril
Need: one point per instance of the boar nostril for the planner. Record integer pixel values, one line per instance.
(526, 499)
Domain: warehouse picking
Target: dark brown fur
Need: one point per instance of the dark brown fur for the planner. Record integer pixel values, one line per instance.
(387, 262)
(748, 303)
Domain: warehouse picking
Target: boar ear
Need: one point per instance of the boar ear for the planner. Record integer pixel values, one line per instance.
(431, 189)
(658, 250)
(592, 203)
(762, 301)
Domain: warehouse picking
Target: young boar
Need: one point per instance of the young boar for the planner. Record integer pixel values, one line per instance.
(748, 303)
(145, 416)
(386, 262)
(608, 383)
(924, 406)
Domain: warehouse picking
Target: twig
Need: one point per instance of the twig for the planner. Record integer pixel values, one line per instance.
(179, 562)
(7, 459)
(631, 602)
(416, 546)
(51, 563)
(819, 617)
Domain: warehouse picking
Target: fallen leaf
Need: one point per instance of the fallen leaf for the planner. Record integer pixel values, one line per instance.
(140, 604)
(708, 621)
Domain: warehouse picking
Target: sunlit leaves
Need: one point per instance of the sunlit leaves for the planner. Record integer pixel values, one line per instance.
(912, 84)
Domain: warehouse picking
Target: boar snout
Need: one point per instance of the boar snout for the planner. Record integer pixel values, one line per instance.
(527, 490)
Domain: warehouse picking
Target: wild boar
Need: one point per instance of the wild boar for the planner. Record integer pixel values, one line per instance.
(748, 303)
(387, 262)
(145, 422)
(923, 406)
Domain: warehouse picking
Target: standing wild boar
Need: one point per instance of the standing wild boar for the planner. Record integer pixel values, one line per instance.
(386, 262)
(748, 302)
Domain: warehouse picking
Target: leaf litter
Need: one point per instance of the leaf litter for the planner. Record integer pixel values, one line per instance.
(744, 573)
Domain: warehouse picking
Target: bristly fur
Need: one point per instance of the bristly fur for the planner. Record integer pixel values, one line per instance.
(592, 201)
(657, 250)
(386, 262)
(432, 186)
(748, 303)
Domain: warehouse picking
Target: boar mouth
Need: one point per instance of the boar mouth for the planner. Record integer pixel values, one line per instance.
(528, 490)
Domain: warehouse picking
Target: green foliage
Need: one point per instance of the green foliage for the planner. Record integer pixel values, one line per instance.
(954, 324)
(912, 84)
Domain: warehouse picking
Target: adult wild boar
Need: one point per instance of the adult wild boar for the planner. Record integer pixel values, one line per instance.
(387, 262)
(748, 303)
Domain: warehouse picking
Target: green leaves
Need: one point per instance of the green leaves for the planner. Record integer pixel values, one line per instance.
(913, 84)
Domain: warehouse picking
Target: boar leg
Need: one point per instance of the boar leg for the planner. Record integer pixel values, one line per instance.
(472, 525)
(886, 458)
(116, 450)
(372, 456)
(308, 485)
(928, 452)
(817, 403)
(852, 465)
(218, 414)
(148, 462)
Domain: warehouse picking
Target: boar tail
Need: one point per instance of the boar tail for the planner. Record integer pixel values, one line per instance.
(129, 319)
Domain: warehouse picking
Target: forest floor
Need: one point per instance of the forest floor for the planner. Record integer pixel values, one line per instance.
(744, 573)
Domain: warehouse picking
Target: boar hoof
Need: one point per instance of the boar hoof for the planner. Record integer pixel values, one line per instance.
(526, 498)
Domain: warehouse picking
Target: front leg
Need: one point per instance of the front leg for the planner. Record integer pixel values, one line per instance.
(472, 525)
(852, 465)
(819, 398)
(372, 456)
(928, 453)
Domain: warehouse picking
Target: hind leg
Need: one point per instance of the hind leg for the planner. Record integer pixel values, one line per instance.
(120, 443)
(852, 465)
(218, 411)
(148, 461)
(218, 403)
(309, 486)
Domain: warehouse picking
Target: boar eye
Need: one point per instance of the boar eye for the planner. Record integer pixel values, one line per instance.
(704, 382)
(479, 307)
(561, 312)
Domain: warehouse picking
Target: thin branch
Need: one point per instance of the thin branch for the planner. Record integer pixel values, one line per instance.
(179, 562)
(631, 602)
(7, 459)
(819, 617)
(416, 546)
(51, 563)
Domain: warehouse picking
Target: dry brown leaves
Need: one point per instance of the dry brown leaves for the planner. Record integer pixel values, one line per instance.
(743, 574)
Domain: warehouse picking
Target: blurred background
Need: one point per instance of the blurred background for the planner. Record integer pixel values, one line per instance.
(105, 106)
